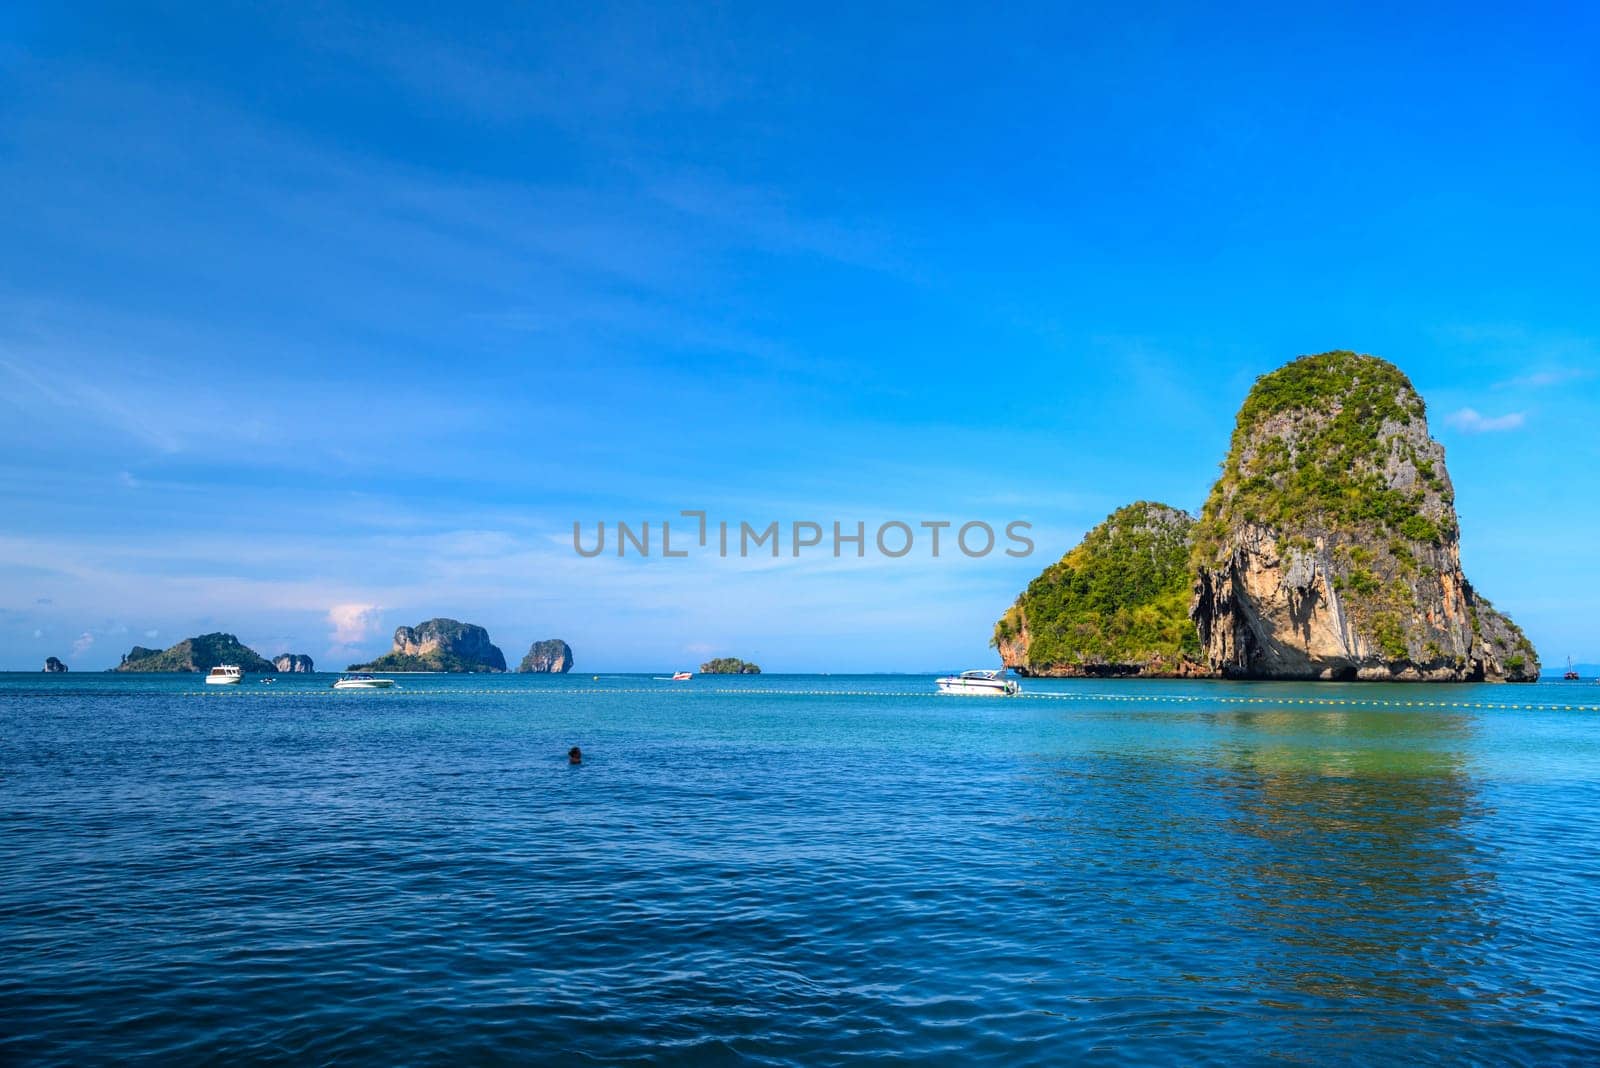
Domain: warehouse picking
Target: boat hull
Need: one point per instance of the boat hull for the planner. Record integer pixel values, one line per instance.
(363, 684)
(223, 680)
(979, 687)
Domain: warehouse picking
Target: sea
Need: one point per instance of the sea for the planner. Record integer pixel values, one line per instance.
(796, 870)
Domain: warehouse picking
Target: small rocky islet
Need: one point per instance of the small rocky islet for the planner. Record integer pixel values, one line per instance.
(549, 657)
(1327, 550)
(729, 665)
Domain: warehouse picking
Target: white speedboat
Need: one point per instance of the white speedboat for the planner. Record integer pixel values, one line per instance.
(362, 682)
(980, 684)
(225, 675)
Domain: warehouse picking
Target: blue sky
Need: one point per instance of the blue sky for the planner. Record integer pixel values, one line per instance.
(316, 323)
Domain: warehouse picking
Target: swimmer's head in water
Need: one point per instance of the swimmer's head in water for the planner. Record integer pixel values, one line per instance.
(574, 755)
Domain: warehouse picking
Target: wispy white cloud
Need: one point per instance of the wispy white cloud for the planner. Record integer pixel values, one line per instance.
(25, 388)
(83, 644)
(1543, 379)
(1471, 421)
(583, 74)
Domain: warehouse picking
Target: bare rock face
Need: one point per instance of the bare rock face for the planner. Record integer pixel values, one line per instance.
(551, 656)
(54, 666)
(466, 640)
(293, 664)
(1329, 548)
(440, 645)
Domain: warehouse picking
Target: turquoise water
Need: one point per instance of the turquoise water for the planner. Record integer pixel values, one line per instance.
(797, 870)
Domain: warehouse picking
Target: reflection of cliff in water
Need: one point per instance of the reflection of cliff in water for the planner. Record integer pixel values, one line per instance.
(1314, 881)
(1354, 875)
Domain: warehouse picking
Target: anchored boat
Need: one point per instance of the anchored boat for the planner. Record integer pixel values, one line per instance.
(362, 682)
(225, 675)
(980, 684)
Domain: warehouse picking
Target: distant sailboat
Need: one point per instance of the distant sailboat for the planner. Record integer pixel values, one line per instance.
(1571, 675)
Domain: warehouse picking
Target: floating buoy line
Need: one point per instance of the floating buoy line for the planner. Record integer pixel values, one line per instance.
(1175, 699)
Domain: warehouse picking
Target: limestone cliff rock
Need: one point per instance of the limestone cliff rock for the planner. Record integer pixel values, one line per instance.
(294, 664)
(440, 645)
(1117, 605)
(551, 656)
(1329, 548)
(54, 666)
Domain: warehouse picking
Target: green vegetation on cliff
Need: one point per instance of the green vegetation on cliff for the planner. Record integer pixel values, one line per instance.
(201, 653)
(434, 661)
(1121, 597)
(1310, 449)
(728, 665)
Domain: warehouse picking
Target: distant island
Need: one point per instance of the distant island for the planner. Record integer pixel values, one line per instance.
(200, 653)
(729, 665)
(440, 645)
(1328, 549)
(551, 656)
(53, 666)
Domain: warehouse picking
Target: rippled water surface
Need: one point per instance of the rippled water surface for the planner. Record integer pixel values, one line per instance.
(796, 870)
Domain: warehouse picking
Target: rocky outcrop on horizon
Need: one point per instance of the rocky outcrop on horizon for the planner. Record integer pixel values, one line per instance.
(54, 666)
(439, 645)
(1328, 549)
(729, 665)
(293, 664)
(200, 653)
(1116, 606)
(551, 656)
